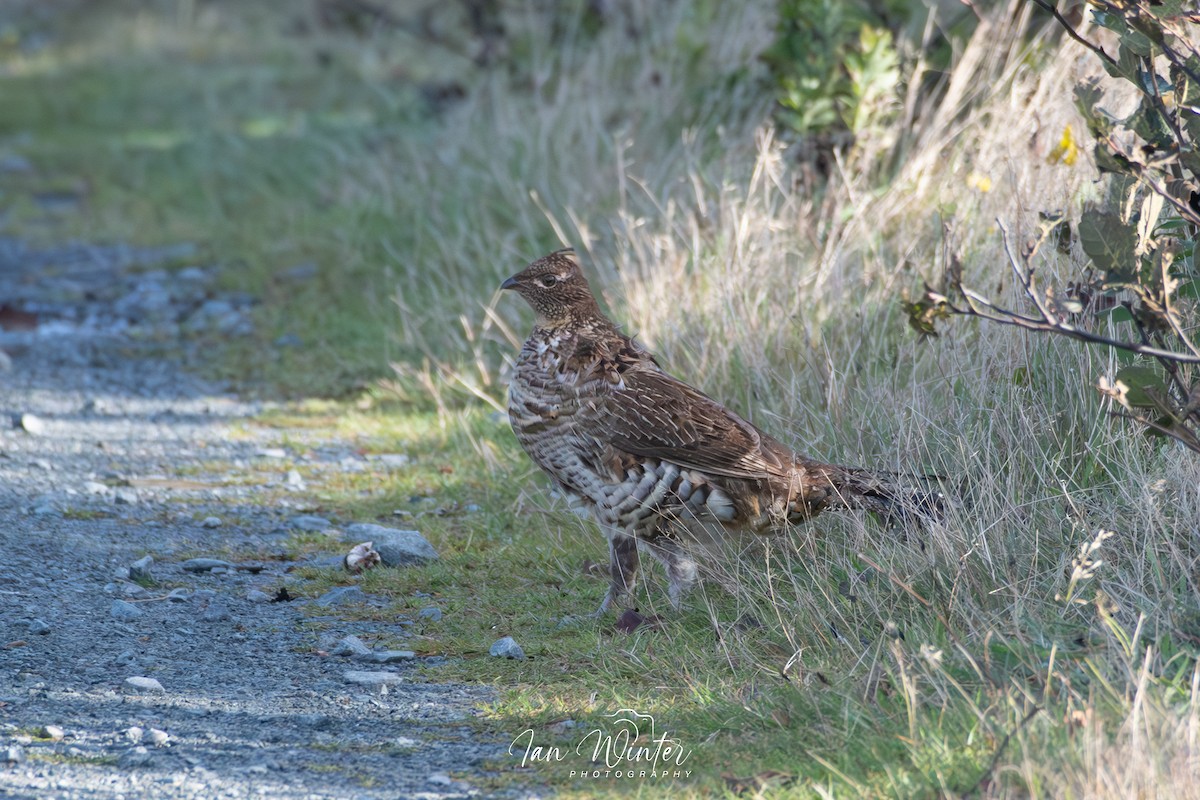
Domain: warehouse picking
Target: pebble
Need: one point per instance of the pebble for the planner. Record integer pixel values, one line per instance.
(396, 547)
(30, 423)
(272, 452)
(393, 460)
(125, 612)
(255, 596)
(39, 627)
(431, 613)
(52, 732)
(301, 272)
(342, 594)
(214, 613)
(179, 595)
(134, 734)
(309, 522)
(351, 646)
(294, 479)
(211, 522)
(142, 685)
(373, 679)
(126, 496)
(140, 569)
(439, 779)
(204, 564)
(14, 754)
(159, 738)
(95, 487)
(506, 648)
(390, 656)
(135, 757)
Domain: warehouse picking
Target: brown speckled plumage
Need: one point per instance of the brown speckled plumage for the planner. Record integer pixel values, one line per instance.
(644, 452)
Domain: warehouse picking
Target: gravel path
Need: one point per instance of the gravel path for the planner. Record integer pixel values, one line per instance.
(186, 684)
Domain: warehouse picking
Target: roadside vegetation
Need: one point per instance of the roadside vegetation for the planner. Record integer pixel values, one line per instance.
(779, 198)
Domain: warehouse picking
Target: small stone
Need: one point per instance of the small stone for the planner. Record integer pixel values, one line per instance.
(39, 627)
(294, 479)
(135, 757)
(372, 679)
(13, 754)
(431, 613)
(140, 569)
(143, 685)
(94, 487)
(404, 741)
(507, 648)
(351, 646)
(179, 595)
(288, 340)
(255, 596)
(52, 732)
(211, 522)
(309, 522)
(305, 271)
(272, 452)
(215, 612)
(390, 656)
(473, 508)
(393, 460)
(204, 564)
(340, 595)
(124, 612)
(29, 423)
(134, 734)
(439, 779)
(126, 496)
(396, 547)
(159, 738)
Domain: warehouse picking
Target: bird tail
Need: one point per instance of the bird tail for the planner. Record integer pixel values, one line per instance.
(897, 498)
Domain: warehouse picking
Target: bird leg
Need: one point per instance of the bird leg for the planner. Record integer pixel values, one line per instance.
(623, 567)
(682, 571)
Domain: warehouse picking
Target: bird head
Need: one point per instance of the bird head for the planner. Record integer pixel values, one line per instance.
(555, 288)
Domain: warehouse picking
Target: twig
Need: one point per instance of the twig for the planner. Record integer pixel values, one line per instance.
(987, 773)
(1074, 34)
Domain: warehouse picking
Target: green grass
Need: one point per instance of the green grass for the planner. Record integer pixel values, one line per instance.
(988, 656)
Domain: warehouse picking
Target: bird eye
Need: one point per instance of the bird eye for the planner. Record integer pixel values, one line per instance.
(548, 280)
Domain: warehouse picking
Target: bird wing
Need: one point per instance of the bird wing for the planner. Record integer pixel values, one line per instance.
(654, 415)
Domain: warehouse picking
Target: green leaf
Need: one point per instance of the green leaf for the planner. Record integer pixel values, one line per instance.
(1138, 43)
(1143, 382)
(1117, 314)
(1126, 66)
(1110, 244)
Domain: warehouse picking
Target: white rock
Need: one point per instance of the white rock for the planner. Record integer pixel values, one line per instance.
(159, 738)
(211, 522)
(30, 424)
(142, 685)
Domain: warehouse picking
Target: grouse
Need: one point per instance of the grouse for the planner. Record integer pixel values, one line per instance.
(648, 455)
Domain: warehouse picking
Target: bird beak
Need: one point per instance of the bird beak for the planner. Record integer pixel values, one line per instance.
(511, 283)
